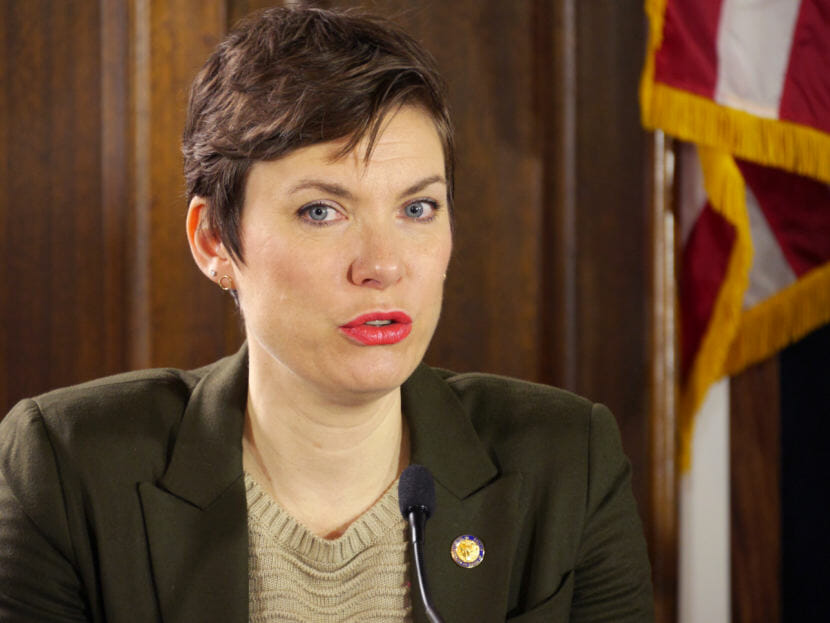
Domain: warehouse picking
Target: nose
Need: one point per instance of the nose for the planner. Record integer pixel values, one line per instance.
(378, 262)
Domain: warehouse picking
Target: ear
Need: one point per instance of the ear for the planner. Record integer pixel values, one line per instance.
(210, 254)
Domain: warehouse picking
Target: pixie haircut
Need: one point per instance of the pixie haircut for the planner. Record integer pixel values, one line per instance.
(287, 78)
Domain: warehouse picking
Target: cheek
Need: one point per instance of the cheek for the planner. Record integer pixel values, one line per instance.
(437, 261)
(447, 251)
(440, 252)
(285, 271)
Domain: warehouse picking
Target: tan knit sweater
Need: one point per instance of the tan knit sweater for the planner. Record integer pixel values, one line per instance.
(294, 575)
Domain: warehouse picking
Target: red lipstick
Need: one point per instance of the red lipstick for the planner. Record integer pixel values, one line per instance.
(379, 328)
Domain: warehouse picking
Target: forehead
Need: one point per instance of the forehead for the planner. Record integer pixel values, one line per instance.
(408, 127)
(407, 144)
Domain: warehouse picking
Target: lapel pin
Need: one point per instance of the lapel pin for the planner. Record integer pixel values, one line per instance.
(467, 551)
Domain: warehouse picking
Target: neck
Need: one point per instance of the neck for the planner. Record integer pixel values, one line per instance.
(324, 462)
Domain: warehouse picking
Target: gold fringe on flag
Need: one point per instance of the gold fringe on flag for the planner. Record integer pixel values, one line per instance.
(780, 320)
(772, 142)
(726, 190)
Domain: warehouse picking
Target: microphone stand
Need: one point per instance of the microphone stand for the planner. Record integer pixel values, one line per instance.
(417, 518)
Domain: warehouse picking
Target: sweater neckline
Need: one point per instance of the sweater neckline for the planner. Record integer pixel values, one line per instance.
(368, 529)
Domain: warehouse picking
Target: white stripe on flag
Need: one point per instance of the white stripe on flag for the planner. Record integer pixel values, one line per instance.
(692, 192)
(770, 270)
(754, 40)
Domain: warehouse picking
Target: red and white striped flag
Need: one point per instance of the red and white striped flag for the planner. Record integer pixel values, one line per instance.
(748, 81)
(751, 77)
(754, 270)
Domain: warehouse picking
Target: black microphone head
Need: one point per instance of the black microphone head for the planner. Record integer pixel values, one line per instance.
(416, 490)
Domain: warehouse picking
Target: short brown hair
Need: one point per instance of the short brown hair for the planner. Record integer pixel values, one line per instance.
(287, 78)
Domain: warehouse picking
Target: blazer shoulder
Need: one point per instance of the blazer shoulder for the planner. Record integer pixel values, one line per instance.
(113, 390)
(529, 426)
(132, 396)
(115, 417)
(507, 397)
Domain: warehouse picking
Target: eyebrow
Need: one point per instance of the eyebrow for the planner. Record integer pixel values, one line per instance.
(327, 187)
(339, 191)
(420, 185)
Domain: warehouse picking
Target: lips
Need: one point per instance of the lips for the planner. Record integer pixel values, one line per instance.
(379, 328)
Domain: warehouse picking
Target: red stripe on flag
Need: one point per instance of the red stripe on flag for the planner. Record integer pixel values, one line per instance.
(806, 95)
(797, 210)
(703, 268)
(687, 58)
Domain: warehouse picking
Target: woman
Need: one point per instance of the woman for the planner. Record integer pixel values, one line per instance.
(319, 159)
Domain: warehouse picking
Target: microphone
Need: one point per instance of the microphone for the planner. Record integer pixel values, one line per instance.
(416, 498)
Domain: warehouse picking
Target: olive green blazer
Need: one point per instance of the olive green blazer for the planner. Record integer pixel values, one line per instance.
(122, 500)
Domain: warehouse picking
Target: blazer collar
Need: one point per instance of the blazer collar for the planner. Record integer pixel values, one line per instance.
(207, 456)
(209, 440)
(195, 514)
(442, 436)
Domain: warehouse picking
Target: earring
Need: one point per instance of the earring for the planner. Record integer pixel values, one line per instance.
(213, 273)
(226, 286)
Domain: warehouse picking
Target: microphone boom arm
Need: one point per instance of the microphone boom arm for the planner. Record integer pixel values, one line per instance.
(417, 518)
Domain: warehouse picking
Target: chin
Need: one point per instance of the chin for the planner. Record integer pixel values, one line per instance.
(378, 375)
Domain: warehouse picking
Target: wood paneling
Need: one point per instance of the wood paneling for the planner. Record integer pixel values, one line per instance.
(613, 250)
(186, 317)
(491, 312)
(97, 274)
(53, 244)
(755, 466)
(116, 179)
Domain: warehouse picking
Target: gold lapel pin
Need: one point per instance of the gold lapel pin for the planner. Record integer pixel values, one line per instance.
(467, 551)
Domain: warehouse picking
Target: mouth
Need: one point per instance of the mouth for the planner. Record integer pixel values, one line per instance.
(379, 328)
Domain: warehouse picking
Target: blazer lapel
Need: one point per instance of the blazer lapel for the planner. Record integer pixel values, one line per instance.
(195, 516)
(472, 497)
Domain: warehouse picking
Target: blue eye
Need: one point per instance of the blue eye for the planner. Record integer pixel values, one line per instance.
(318, 213)
(422, 209)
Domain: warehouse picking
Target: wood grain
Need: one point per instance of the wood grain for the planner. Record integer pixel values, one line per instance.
(56, 330)
(755, 466)
(188, 312)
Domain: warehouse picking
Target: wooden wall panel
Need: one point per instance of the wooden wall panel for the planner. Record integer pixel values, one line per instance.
(116, 179)
(613, 248)
(53, 243)
(185, 312)
(491, 317)
(755, 476)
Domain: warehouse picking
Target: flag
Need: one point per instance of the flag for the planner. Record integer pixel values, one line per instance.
(750, 77)
(748, 82)
(754, 268)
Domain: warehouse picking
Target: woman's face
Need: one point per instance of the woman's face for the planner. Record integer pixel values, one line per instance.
(333, 244)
